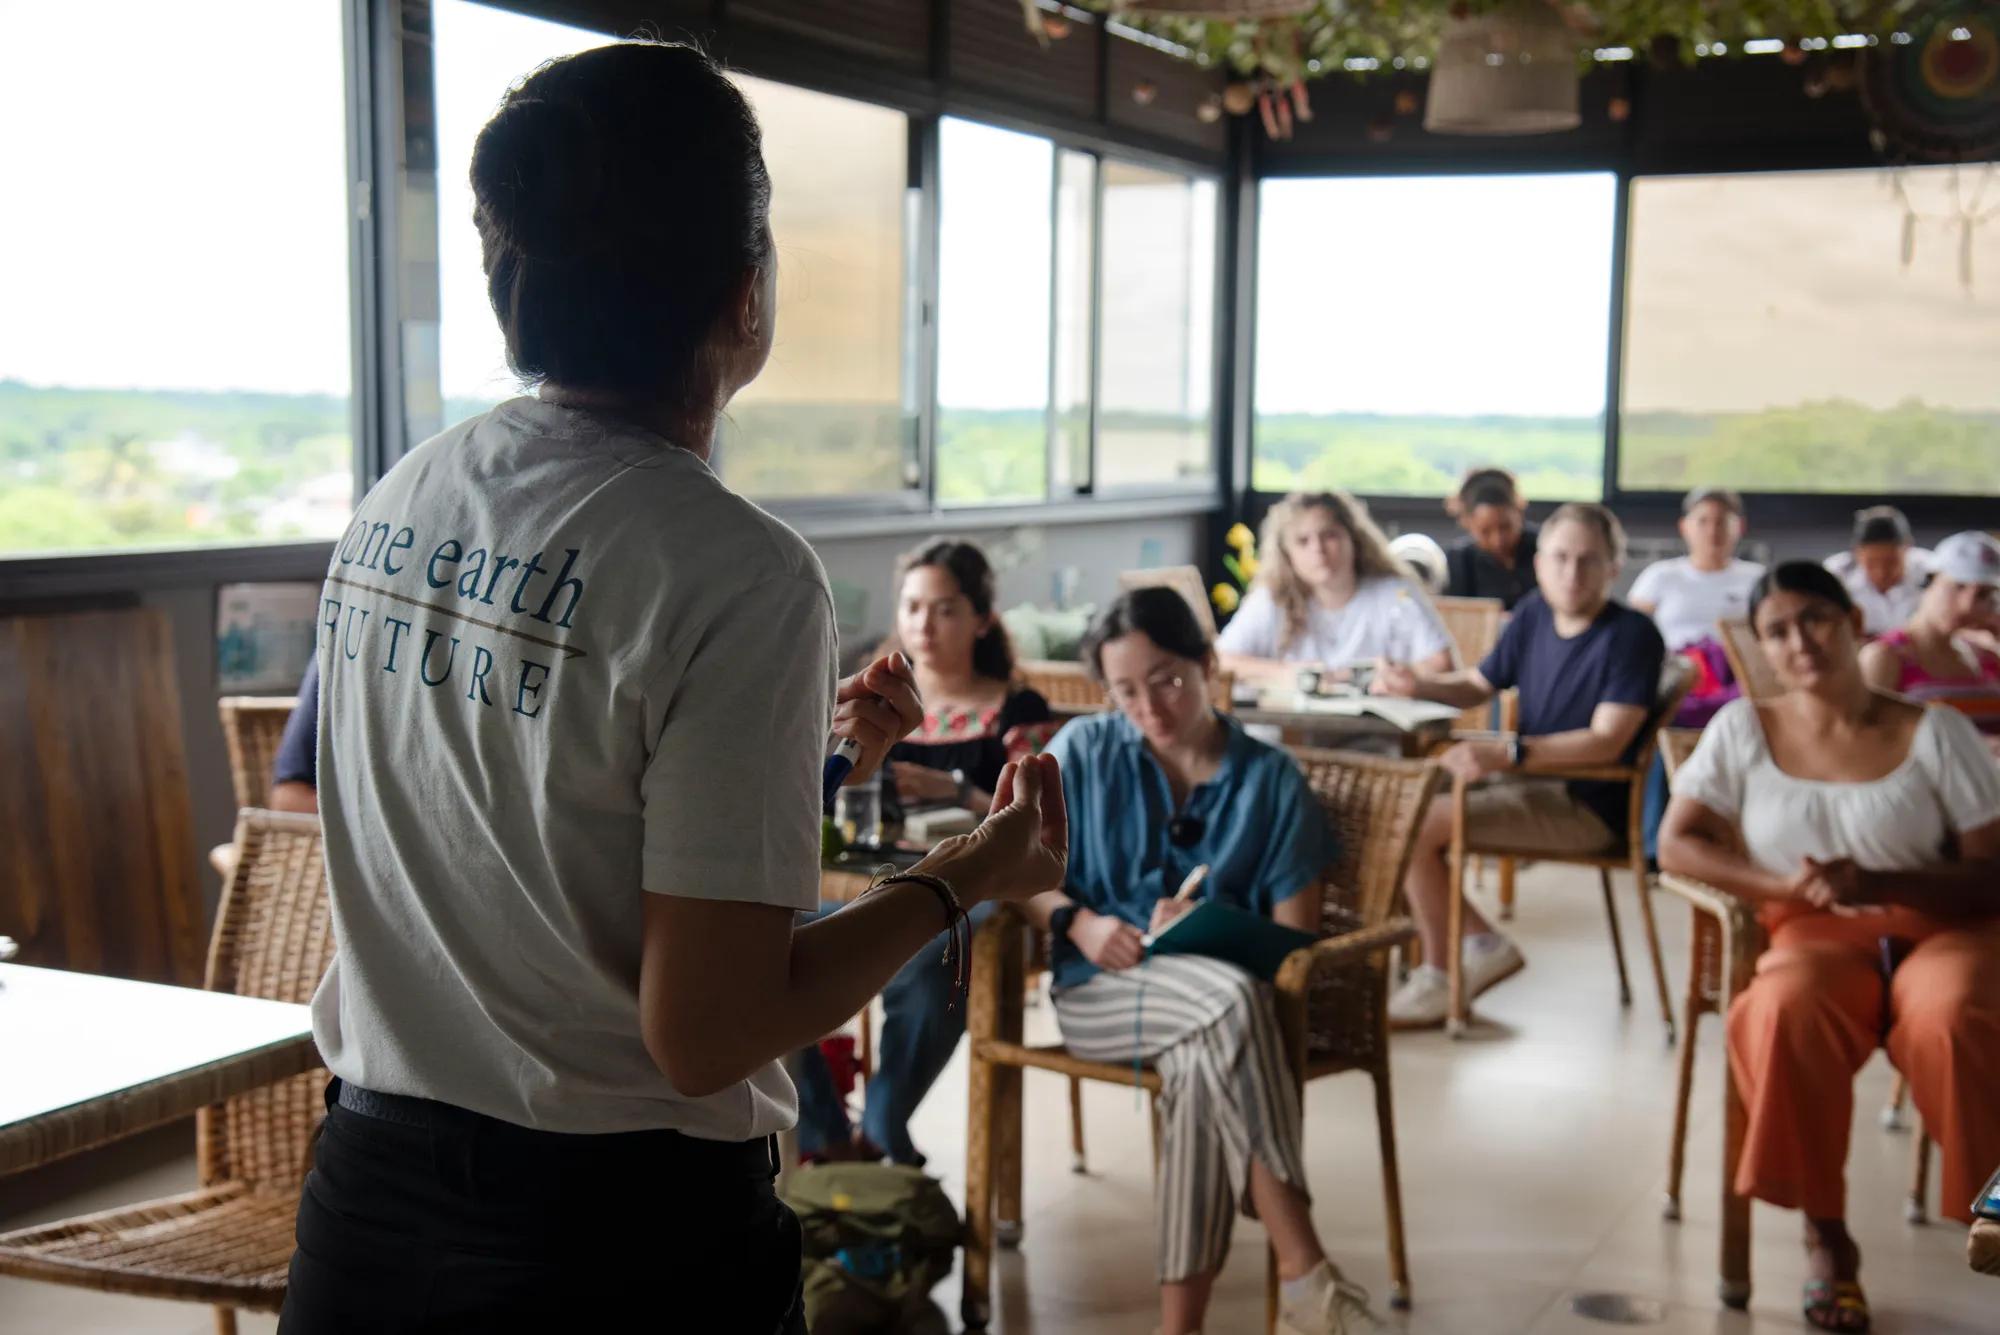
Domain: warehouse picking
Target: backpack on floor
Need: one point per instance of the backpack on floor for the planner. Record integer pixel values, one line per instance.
(878, 1239)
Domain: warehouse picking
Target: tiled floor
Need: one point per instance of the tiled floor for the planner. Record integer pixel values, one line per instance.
(1533, 1158)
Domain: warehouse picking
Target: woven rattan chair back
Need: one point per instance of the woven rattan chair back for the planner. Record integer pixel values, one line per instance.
(1373, 806)
(1746, 659)
(252, 726)
(273, 939)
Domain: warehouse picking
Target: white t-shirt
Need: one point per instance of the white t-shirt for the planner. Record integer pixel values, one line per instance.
(1687, 602)
(561, 665)
(1947, 785)
(1388, 617)
(1883, 612)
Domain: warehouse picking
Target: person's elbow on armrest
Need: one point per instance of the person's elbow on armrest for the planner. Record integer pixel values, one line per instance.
(293, 795)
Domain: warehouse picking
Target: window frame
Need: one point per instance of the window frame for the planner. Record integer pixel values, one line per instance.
(394, 304)
(1637, 506)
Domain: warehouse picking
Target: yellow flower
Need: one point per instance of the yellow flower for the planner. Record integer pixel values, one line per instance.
(1225, 598)
(1240, 537)
(1248, 562)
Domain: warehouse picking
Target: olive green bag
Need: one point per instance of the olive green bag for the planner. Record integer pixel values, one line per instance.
(878, 1239)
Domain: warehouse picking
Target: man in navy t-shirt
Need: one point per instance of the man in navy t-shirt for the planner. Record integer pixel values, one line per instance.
(295, 776)
(1587, 670)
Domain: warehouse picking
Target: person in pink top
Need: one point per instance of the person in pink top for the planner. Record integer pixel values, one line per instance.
(1933, 659)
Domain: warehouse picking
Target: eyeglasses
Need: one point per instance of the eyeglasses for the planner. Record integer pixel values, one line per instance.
(1164, 684)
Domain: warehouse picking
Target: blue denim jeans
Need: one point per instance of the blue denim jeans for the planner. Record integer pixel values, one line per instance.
(1655, 809)
(921, 1025)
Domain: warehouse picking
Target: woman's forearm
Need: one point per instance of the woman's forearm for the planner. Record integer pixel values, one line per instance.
(730, 987)
(1724, 868)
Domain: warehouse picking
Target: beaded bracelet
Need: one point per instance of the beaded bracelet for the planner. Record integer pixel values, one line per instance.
(958, 928)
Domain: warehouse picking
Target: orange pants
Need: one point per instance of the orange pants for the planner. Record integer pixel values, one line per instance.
(1813, 1014)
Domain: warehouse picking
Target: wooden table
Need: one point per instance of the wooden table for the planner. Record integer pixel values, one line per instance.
(85, 1059)
(1317, 728)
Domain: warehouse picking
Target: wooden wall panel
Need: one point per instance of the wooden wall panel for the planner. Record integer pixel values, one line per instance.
(992, 50)
(97, 857)
(897, 31)
(1179, 87)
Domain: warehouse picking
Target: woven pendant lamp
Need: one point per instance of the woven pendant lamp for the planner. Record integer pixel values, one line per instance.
(1508, 71)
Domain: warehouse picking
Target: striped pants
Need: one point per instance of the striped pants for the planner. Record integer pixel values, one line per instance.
(1210, 1030)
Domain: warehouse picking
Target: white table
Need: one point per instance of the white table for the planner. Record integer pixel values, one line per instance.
(86, 1059)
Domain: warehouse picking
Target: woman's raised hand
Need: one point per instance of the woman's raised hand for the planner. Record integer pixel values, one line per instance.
(1021, 849)
(877, 707)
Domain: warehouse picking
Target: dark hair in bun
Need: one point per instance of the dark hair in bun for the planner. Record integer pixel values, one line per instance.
(620, 196)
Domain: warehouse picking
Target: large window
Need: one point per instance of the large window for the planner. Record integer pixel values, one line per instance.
(831, 414)
(1409, 328)
(995, 262)
(1155, 413)
(1784, 332)
(1076, 322)
(174, 355)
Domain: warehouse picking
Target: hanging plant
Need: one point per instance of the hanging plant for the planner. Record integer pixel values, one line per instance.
(1361, 35)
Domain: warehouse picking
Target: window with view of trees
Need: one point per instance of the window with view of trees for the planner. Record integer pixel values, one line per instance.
(1410, 328)
(995, 256)
(1157, 346)
(174, 355)
(1785, 333)
(830, 415)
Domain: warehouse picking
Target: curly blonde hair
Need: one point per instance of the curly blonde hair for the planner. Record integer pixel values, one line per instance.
(1280, 579)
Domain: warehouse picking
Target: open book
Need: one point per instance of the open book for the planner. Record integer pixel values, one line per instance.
(1409, 715)
(1223, 932)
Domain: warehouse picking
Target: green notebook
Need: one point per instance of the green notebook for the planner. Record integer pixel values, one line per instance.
(1224, 932)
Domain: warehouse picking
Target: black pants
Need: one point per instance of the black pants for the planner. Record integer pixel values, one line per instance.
(419, 1216)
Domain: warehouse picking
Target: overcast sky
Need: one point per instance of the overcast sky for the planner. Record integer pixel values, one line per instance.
(177, 206)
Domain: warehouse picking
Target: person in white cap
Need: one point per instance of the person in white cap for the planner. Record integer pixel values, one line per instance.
(1882, 568)
(1932, 658)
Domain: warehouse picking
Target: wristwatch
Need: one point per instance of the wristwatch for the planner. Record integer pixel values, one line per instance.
(1060, 920)
(1517, 750)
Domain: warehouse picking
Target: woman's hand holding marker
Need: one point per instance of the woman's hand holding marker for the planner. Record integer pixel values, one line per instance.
(876, 708)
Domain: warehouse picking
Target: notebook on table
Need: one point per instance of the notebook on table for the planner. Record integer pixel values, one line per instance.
(1248, 940)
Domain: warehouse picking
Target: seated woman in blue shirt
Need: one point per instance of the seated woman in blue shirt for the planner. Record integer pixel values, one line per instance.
(1161, 786)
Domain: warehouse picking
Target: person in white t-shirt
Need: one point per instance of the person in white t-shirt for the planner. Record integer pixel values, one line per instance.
(576, 700)
(1687, 595)
(1330, 594)
(1883, 568)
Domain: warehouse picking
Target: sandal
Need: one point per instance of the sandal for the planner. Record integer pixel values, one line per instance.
(1835, 1305)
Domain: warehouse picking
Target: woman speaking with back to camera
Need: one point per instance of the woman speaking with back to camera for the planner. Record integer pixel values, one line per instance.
(576, 698)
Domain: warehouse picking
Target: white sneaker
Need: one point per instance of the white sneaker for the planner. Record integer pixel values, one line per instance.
(1332, 1304)
(1422, 1001)
(1490, 958)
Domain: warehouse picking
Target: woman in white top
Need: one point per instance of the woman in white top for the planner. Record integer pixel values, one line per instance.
(1329, 593)
(576, 697)
(1866, 829)
(1687, 595)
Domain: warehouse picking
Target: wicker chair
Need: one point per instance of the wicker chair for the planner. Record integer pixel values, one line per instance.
(1331, 1002)
(1746, 660)
(1070, 689)
(1723, 946)
(252, 726)
(229, 1242)
(1675, 679)
(1475, 625)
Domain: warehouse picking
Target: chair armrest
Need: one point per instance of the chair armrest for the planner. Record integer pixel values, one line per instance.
(1296, 974)
(1742, 933)
(1585, 773)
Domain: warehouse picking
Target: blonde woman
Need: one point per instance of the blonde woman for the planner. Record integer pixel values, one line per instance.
(1330, 593)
